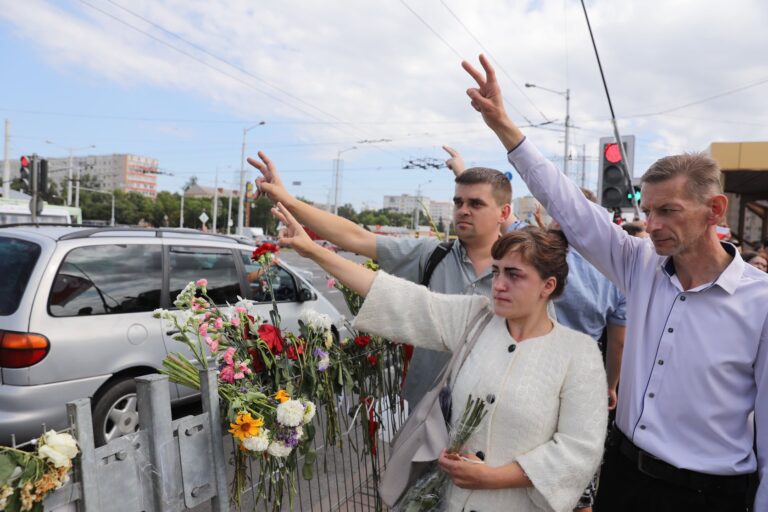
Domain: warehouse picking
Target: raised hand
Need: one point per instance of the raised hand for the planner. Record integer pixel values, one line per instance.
(270, 182)
(486, 97)
(456, 162)
(293, 235)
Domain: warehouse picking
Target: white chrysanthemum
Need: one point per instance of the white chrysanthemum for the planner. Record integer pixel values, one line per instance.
(290, 413)
(315, 320)
(309, 411)
(257, 443)
(279, 449)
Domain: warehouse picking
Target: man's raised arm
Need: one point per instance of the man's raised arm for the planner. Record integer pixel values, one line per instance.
(338, 230)
(586, 225)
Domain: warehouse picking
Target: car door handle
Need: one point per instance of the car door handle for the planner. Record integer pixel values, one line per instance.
(172, 332)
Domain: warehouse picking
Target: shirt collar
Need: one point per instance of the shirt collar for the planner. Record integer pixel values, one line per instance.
(728, 279)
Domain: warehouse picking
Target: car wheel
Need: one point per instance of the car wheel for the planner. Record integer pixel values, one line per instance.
(115, 411)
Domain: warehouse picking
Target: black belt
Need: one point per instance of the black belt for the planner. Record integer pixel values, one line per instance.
(657, 468)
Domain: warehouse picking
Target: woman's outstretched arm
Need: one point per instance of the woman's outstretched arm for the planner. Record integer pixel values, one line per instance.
(356, 277)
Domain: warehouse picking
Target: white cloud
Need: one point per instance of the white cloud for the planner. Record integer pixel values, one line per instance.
(375, 64)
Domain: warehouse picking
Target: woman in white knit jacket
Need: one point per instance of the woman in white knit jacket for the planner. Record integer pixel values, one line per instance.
(542, 439)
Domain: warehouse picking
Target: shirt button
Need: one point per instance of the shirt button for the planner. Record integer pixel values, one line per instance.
(642, 427)
(512, 347)
(682, 298)
(490, 398)
(661, 361)
(670, 330)
(651, 395)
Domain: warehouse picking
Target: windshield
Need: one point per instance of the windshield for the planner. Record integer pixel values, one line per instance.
(17, 260)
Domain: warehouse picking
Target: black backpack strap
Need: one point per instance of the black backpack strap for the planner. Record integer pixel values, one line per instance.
(440, 252)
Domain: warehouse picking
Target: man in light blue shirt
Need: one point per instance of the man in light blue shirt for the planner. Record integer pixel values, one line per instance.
(695, 365)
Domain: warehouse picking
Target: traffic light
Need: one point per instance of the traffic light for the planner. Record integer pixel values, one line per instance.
(615, 189)
(42, 177)
(26, 175)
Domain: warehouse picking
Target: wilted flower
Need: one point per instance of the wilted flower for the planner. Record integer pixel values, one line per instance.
(309, 411)
(60, 449)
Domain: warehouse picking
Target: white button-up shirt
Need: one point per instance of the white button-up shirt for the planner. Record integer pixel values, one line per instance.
(695, 363)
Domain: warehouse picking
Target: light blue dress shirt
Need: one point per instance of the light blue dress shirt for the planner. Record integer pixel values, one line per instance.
(695, 364)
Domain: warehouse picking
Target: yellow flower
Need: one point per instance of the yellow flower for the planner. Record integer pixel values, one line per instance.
(245, 426)
(282, 396)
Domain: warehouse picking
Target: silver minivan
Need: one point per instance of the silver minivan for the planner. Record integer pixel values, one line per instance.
(76, 318)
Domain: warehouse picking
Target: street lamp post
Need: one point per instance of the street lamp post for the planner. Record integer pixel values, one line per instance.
(567, 94)
(337, 178)
(70, 166)
(241, 206)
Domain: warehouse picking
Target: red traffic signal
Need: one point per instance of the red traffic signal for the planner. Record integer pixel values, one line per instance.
(25, 161)
(612, 153)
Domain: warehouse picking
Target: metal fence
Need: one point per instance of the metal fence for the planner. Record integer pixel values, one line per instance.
(187, 464)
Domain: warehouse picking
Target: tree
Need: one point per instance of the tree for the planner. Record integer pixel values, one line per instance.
(348, 212)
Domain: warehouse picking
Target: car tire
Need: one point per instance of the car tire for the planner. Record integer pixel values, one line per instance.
(115, 411)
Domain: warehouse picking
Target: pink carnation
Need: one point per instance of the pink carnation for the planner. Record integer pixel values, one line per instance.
(227, 374)
(202, 282)
(331, 282)
(235, 321)
(218, 323)
(212, 343)
(240, 309)
(228, 355)
(203, 329)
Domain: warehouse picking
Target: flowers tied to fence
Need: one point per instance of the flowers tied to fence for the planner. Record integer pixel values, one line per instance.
(26, 478)
(271, 381)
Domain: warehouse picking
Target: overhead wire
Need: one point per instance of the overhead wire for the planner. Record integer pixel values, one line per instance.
(448, 45)
(498, 64)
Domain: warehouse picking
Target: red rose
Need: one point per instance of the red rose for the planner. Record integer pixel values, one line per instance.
(270, 335)
(264, 249)
(257, 361)
(373, 360)
(362, 341)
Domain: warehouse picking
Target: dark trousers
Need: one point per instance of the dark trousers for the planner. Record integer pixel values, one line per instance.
(623, 488)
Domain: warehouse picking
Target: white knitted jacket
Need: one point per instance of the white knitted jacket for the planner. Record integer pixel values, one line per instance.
(549, 394)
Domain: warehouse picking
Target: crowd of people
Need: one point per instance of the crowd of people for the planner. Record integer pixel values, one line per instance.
(680, 314)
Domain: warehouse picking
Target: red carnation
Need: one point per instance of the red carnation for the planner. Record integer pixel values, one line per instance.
(362, 341)
(270, 335)
(257, 361)
(264, 249)
(373, 360)
(294, 351)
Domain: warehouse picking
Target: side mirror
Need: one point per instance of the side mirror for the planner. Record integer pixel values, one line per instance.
(306, 294)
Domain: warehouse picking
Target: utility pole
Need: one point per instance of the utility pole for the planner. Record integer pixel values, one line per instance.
(241, 205)
(229, 212)
(69, 179)
(567, 125)
(6, 162)
(215, 200)
(181, 215)
(583, 165)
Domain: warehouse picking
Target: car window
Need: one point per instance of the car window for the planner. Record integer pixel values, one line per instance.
(283, 284)
(107, 279)
(217, 266)
(17, 260)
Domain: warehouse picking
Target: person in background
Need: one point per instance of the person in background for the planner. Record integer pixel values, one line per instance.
(543, 383)
(635, 228)
(756, 260)
(695, 363)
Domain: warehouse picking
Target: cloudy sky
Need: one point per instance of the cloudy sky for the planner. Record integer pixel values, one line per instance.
(179, 80)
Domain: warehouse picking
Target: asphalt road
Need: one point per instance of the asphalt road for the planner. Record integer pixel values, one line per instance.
(320, 277)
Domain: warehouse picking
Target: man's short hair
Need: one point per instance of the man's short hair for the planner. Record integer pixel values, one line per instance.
(702, 173)
(633, 228)
(501, 187)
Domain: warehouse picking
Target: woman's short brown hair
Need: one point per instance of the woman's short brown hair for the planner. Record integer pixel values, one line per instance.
(542, 249)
